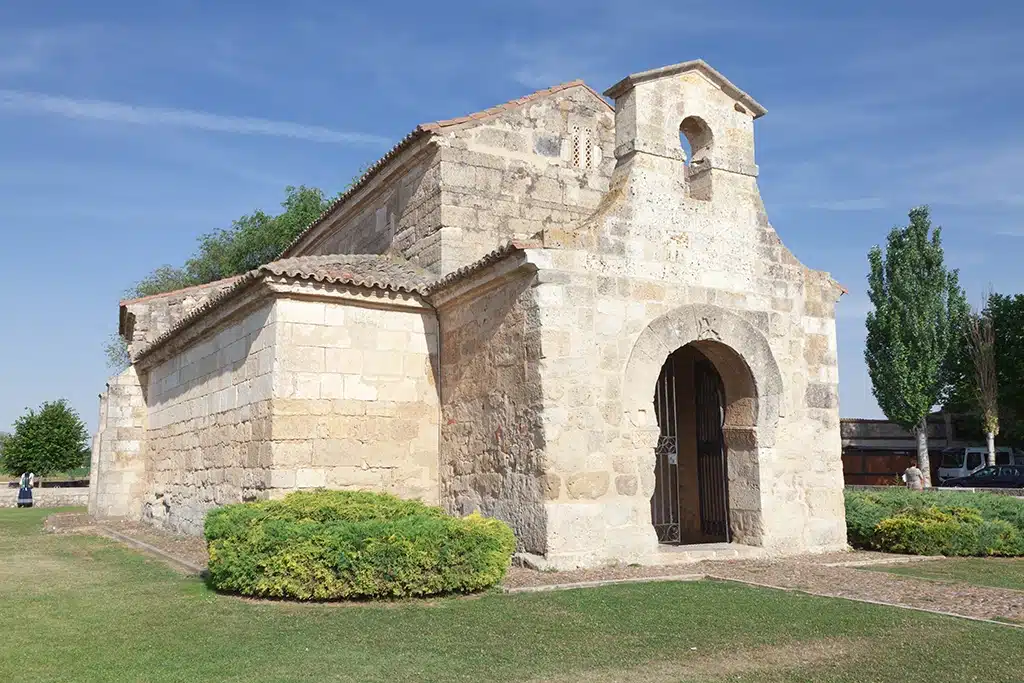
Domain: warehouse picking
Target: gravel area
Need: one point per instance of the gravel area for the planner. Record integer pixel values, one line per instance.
(846, 582)
(817, 574)
(522, 578)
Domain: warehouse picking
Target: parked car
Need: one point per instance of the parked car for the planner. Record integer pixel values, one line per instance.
(961, 462)
(994, 477)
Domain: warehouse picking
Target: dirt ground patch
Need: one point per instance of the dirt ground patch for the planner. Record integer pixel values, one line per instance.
(68, 522)
(691, 666)
(191, 549)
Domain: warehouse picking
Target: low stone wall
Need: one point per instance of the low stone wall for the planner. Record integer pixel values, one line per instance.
(1017, 493)
(47, 498)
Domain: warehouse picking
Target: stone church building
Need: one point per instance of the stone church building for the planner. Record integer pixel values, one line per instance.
(571, 316)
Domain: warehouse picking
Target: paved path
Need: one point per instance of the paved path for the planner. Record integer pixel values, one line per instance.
(818, 575)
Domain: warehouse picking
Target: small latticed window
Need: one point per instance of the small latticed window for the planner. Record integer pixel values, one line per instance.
(582, 149)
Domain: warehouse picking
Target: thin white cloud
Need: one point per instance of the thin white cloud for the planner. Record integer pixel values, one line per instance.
(118, 112)
(863, 204)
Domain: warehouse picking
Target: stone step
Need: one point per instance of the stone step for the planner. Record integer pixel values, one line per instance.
(700, 552)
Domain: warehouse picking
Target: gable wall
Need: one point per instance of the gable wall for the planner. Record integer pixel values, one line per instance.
(400, 208)
(511, 175)
(152, 316)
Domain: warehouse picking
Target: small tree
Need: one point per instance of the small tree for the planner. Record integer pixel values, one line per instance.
(51, 440)
(981, 345)
(915, 328)
(3, 437)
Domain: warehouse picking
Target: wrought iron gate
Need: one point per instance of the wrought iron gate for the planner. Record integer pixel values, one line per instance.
(712, 477)
(665, 501)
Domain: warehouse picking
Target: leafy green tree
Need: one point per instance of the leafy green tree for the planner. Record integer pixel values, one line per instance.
(3, 437)
(52, 439)
(251, 241)
(916, 327)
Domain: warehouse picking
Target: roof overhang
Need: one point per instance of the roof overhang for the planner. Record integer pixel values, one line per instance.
(699, 65)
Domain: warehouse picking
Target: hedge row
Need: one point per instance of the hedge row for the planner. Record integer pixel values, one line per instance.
(329, 545)
(935, 522)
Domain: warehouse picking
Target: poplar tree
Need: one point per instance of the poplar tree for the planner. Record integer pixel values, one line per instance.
(916, 326)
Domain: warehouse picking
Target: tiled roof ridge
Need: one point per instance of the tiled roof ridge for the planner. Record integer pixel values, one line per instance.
(425, 130)
(510, 105)
(223, 280)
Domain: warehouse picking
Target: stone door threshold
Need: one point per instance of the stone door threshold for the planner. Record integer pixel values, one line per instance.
(700, 552)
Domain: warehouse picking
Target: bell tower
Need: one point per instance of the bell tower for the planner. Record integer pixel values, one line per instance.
(662, 112)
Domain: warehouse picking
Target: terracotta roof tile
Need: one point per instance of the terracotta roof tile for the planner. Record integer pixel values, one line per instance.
(488, 259)
(364, 270)
(378, 271)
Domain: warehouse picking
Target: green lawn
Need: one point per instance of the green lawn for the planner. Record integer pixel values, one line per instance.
(988, 571)
(85, 609)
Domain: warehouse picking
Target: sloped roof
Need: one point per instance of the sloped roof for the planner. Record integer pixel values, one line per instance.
(364, 270)
(486, 260)
(381, 271)
(700, 65)
(425, 130)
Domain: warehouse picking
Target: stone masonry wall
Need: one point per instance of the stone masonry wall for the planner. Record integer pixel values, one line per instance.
(47, 497)
(355, 402)
(145, 319)
(117, 466)
(492, 443)
(545, 163)
(209, 423)
(400, 209)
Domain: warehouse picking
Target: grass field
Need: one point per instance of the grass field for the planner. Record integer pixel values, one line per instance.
(989, 571)
(85, 609)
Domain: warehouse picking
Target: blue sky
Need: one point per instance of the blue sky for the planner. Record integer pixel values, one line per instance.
(128, 129)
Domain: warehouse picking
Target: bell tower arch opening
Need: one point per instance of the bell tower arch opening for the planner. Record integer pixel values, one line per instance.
(697, 142)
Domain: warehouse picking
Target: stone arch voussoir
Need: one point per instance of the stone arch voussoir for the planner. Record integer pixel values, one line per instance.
(719, 327)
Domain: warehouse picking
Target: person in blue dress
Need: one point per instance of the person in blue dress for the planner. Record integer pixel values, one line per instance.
(25, 491)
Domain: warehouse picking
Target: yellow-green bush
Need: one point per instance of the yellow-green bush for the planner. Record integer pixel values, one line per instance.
(918, 523)
(329, 545)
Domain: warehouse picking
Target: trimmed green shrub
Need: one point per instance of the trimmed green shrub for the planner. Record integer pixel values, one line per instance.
(935, 523)
(330, 545)
(951, 532)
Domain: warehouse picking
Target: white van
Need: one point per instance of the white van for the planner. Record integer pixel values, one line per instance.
(960, 462)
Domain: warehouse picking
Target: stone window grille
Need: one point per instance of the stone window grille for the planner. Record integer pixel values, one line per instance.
(582, 150)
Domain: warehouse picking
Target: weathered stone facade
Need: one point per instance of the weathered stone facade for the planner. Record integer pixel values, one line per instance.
(517, 381)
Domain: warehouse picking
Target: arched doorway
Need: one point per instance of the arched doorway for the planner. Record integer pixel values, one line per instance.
(691, 500)
(752, 401)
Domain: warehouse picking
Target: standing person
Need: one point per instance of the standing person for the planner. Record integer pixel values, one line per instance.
(25, 491)
(914, 477)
